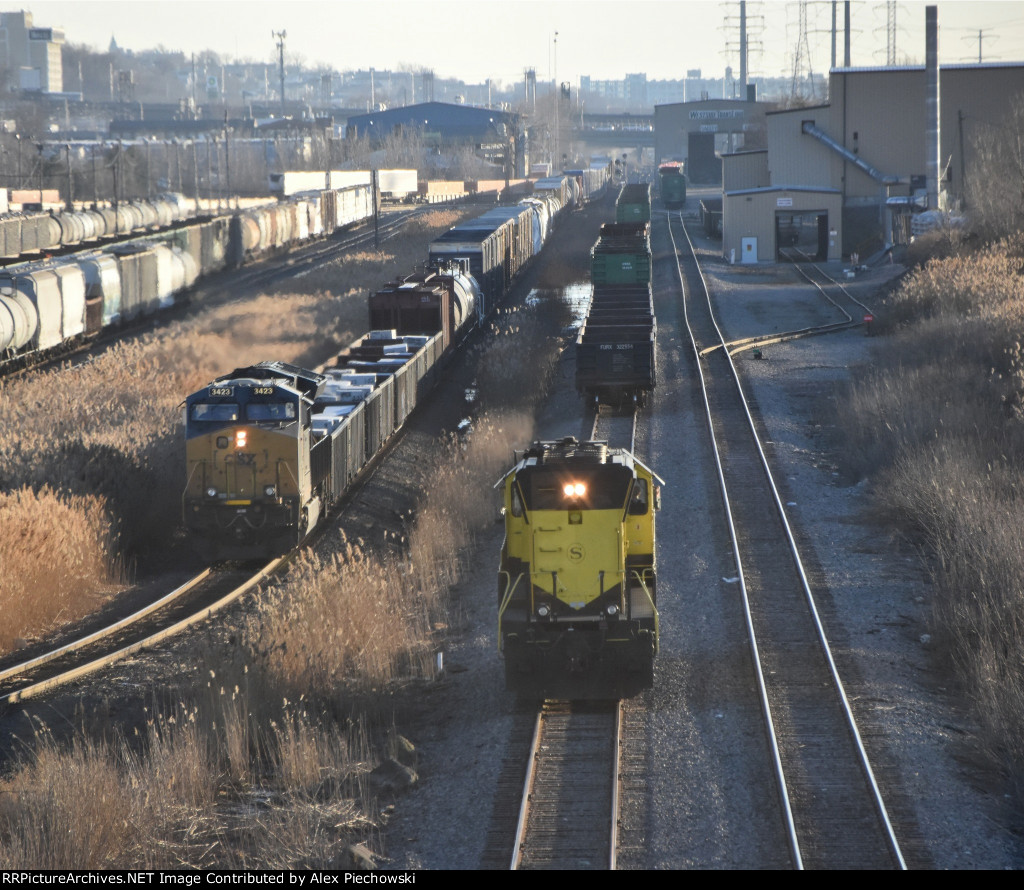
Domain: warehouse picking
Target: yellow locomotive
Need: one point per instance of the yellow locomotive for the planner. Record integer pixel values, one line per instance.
(252, 486)
(577, 615)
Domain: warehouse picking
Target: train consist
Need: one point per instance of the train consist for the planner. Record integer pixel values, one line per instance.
(615, 346)
(27, 233)
(672, 184)
(53, 303)
(577, 581)
(271, 447)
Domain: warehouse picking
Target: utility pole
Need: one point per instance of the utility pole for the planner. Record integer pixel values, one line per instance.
(280, 35)
(743, 50)
(557, 90)
(846, 34)
(981, 36)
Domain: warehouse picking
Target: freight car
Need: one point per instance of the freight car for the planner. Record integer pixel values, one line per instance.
(615, 346)
(634, 203)
(271, 447)
(615, 363)
(577, 580)
(672, 184)
(42, 308)
(24, 234)
(622, 254)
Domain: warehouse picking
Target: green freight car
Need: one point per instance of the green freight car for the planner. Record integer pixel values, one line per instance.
(634, 203)
(672, 184)
(622, 254)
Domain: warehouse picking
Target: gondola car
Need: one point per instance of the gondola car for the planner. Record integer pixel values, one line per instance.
(577, 581)
(615, 347)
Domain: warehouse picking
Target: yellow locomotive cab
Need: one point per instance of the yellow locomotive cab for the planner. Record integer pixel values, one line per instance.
(577, 579)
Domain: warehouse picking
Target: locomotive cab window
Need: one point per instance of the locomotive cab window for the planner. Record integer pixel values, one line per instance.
(638, 500)
(270, 411)
(214, 412)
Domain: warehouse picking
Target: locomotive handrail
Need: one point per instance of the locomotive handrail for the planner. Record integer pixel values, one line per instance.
(510, 589)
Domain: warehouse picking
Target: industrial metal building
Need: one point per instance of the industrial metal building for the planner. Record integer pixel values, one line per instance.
(847, 177)
(696, 132)
(495, 135)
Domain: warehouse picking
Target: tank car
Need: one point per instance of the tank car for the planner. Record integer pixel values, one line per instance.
(577, 580)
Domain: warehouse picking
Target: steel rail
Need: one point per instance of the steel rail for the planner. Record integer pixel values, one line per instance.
(524, 806)
(103, 632)
(613, 841)
(75, 673)
(808, 595)
(780, 776)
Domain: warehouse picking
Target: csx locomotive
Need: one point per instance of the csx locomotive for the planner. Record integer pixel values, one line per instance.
(577, 582)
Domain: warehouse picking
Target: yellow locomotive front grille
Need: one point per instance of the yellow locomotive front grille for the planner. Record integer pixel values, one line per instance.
(577, 555)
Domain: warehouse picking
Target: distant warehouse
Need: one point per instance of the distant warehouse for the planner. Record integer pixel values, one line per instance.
(496, 136)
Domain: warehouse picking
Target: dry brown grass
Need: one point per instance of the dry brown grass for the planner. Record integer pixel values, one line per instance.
(72, 559)
(105, 438)
(256, 772)
(184, 793)
(937, 424)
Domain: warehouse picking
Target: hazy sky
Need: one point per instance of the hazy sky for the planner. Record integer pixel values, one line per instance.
(477, 39)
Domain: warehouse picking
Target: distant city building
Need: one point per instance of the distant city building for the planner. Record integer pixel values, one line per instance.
(32, 55)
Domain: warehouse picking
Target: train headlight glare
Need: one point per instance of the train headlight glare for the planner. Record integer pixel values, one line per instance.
(270, 491)
(241, 438)
(211, 492)
(574, 489)
(543, 611)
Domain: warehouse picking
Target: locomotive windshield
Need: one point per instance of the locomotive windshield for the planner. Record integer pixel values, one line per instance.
(605, 487)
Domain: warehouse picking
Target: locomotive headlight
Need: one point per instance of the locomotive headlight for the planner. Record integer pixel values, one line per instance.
(211, 492)
(612, 610)
(241, 438)
(543, 610)
(270, 491)
(574, 489)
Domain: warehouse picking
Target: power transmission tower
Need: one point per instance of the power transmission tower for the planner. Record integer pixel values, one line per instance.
(890, 33)
(801, 55)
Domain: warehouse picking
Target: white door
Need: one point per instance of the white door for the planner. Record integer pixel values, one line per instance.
(748, 250)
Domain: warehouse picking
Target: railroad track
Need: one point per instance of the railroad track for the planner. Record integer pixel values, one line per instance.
(305, 261)
(568, 817)
(617, 428)
(830, 802)
(853, 312)
(204, 595)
